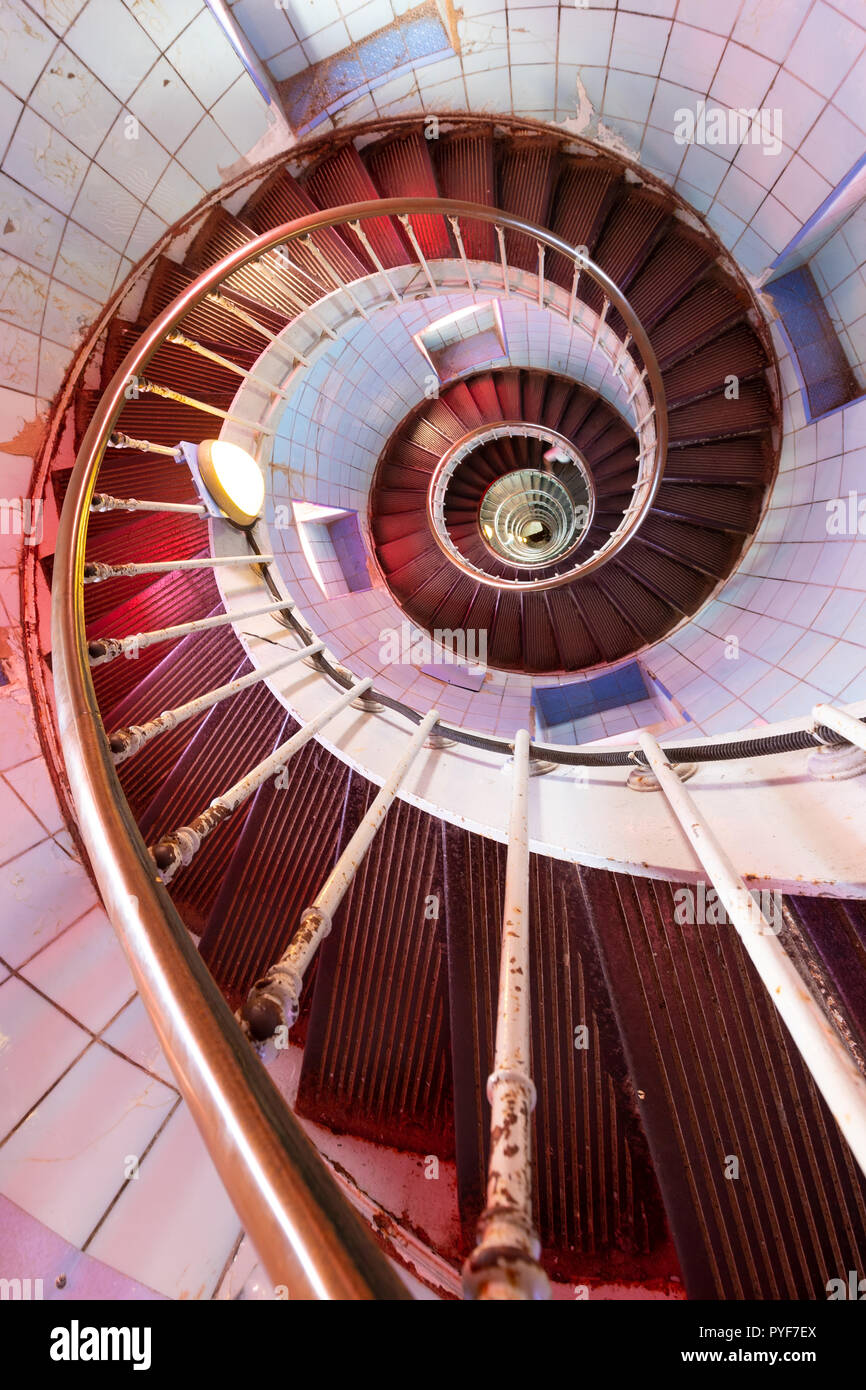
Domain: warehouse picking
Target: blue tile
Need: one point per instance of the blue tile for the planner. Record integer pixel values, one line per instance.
(425, 36)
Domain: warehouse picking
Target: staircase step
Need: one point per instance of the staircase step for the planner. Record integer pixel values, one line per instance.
(674, 267)
(736, 509)
(707, 311)
(341, 178)
(464, 171)
(738, 353)
(175, 366)
(279, 862)
(717, 417)
(677, 584)
(377, 1056)
(526, 176)
(282, 199)
(461, 401)
(630, 234)
(597, 1206)
(745, 460)
(649, 614)
(402, 168)
(718, 1077)
(206, 322)
(609, 629)
(710, 551)
(585, 193)
(538, 638)
(271, 281)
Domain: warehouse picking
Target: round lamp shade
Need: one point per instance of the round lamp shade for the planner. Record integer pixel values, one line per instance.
(233, 479)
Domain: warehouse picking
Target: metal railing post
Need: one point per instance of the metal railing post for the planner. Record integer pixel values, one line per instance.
(102, 649)
(504, 1264)
(365, 242)
(274, 1000)
(416, 247)
(103, 502)
(95, 572)
(832, 1068)
(177, 849)
(127, 741)
(221, 301)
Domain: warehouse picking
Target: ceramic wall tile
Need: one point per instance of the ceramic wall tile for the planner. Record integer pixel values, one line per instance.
(84, 971)
(73, 1154)
(44, 162)
(182, 1256)
(122, 62)
(37, 1044)
(44, 889)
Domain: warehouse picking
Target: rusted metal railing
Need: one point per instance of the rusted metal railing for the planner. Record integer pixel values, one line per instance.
(505, 1263)
(307, 1237)
(274, 1000)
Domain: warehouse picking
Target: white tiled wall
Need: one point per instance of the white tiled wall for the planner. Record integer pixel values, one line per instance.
(115, 119)
(789, 629)
(839, 269)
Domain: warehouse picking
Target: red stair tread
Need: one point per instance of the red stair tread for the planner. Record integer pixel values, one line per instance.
(377, 1057)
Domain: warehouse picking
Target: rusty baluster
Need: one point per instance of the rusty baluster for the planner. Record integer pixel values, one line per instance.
(274, 1000)
(503, 260)
(416, 247)
(118, 440)
(504, 1264)
(103, 502)
(177, 849)
(155, 388)
(95, 571)
(329, 270)
(181, 340)
(102, 649)
(127, 741)
(367, 245)
(458, 237)
(221, 301)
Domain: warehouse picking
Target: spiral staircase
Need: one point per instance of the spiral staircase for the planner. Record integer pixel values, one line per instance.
(398, 1012)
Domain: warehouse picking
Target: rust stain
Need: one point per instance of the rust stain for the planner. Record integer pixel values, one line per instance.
(450, 16)
(29, 439)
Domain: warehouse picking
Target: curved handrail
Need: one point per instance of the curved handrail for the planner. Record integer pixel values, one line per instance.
(305, 1234)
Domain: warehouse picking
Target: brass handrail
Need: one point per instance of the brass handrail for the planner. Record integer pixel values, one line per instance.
(307, 1236)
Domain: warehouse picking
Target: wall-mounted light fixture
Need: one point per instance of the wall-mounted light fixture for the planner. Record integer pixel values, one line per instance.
(229, 480)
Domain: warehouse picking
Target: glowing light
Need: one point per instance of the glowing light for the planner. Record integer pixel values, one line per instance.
(233, 478)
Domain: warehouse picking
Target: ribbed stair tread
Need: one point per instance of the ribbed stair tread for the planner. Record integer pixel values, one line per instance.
(717, 1078)
(377, 1059)
(280, 860)
(597, 1205)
